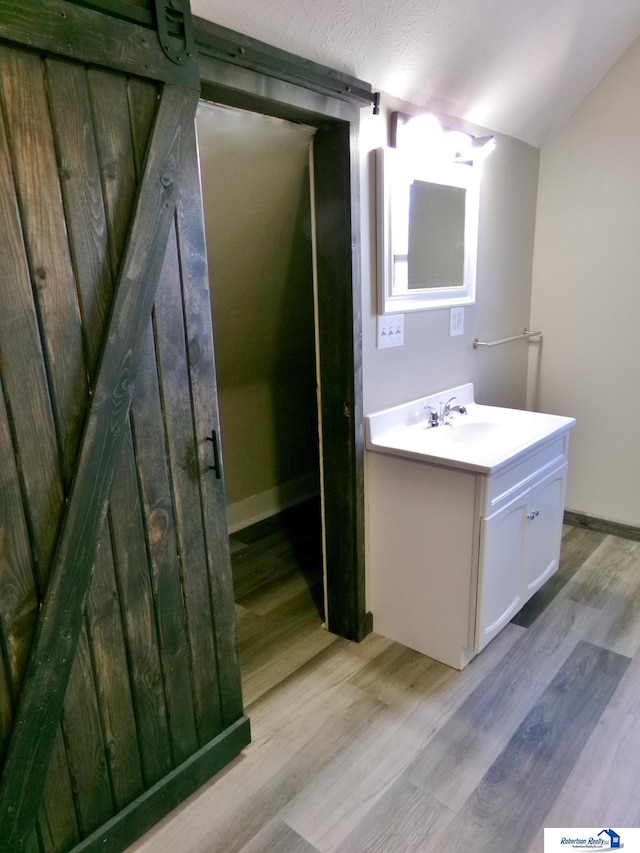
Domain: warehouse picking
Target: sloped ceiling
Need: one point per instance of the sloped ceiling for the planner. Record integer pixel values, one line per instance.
(518, 67)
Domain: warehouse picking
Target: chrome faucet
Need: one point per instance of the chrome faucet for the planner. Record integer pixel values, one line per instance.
(435, 418)
(449, 410)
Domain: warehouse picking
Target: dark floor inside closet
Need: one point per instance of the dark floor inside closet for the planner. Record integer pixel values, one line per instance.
(277, 569)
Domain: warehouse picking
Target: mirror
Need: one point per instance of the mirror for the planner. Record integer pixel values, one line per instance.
(427, 233)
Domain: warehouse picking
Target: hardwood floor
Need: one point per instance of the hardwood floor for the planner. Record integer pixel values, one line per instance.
(374, 747)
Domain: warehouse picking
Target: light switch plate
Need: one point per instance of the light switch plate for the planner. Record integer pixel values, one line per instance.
(456, 321)
(390, 332)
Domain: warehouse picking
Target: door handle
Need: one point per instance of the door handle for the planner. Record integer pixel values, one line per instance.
(213, 438)
(534, 514)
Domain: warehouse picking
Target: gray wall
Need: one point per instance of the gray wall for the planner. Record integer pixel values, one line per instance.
(255, 177)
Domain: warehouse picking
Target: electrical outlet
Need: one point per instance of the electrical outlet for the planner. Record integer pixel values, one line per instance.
(390, 330)
(456, 321)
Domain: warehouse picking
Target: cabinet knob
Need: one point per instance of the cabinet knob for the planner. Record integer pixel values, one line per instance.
(533, 514)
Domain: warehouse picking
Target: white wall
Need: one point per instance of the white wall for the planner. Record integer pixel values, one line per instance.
(430, 360)
(586, 293)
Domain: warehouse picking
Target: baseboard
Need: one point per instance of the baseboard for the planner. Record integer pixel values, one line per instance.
(602, 525)
(134, 820)
(258, 507)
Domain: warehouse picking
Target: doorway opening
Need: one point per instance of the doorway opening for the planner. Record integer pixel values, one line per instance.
(255, 176)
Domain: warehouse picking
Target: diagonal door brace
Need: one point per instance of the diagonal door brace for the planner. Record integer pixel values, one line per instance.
(47, 673)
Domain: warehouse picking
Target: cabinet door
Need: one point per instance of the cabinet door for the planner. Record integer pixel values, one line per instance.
(544, 530)
(502, 543)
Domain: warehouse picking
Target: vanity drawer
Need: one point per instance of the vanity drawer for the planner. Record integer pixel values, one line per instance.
(507, 483)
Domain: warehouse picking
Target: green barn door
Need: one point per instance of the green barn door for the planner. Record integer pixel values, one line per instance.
(119, 682)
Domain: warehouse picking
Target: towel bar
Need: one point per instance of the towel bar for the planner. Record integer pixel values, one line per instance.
(525, 334)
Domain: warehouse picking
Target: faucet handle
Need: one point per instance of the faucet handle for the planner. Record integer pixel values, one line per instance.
(433, 415)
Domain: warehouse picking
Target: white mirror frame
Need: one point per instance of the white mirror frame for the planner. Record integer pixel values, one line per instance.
(391, 298)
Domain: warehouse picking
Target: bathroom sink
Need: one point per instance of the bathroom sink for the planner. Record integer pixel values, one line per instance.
(463, 432)
(483, 439)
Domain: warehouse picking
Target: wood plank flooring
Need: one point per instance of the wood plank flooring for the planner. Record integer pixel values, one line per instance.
(374, 747)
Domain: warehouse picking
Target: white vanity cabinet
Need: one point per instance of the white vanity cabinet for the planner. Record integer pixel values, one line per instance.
(519, 550)
(456, 546)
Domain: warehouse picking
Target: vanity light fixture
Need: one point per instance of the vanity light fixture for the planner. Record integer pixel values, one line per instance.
(482, 146)
(422, 135)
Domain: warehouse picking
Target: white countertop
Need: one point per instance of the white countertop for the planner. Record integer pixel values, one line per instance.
(482, 440)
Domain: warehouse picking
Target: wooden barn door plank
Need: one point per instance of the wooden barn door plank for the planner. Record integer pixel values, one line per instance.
(113, 686)
(81, 184)
(57, 824)
(62, 614)
(148, 415)
(18, 598)
(108, 95)
(80, 767)
(202, 379)
(136, 596)
(36, 175)
(24, 377)
(182, 455)
(85, 748)
(6, 709)
(142, 110)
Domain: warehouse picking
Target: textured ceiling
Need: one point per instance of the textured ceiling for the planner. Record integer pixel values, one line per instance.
(514, 66)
